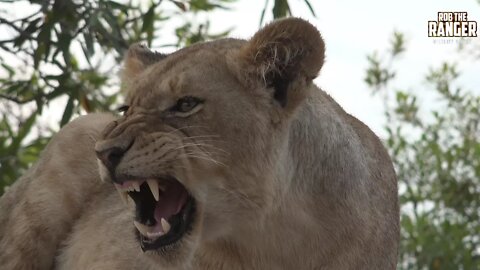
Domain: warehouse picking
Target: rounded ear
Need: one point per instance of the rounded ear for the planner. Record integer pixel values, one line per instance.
(282, 55)
(137, 59)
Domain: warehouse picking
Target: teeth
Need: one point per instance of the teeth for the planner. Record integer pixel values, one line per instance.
(143, 229)
(165, 225)
(136, 186)
(154, 235)
(153, 184)
(123, 194)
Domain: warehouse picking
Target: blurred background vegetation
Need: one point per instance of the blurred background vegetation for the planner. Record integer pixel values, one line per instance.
(436, 153)
(66, 50)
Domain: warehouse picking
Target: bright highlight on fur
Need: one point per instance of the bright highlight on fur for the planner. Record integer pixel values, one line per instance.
(226, 156)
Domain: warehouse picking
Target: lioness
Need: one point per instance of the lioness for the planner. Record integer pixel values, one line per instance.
(227, 156)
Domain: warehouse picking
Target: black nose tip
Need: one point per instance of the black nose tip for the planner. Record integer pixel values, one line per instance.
(111, 157)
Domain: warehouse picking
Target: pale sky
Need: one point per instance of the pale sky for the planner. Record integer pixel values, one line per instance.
(351, 30)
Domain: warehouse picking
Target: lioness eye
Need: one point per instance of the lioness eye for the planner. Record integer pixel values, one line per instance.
(123, 109)
(186, 104)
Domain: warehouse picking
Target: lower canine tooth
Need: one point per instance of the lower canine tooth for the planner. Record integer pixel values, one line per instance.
(143, 229)
(165, 225)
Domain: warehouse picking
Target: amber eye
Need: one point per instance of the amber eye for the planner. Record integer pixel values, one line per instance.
(186, 104)
(123, 109)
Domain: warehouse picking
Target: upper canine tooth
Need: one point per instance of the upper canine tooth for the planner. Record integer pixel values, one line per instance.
(143, 229)
(153, 185)
(123, 194)
(165, 225)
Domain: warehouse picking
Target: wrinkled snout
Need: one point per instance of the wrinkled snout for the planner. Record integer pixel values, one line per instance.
(110, 157)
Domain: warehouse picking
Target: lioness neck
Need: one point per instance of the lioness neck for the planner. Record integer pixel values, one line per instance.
(322, 176)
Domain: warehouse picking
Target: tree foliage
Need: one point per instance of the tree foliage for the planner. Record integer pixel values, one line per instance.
(436, 151)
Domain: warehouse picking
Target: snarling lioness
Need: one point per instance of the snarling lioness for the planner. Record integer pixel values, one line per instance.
(227, 156)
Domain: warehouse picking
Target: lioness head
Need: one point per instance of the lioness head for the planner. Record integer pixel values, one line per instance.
(197, 147)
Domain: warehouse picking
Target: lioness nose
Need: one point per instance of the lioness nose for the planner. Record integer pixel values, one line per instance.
(111, 157)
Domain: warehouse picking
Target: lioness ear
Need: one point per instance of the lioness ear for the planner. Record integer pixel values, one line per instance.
(137, 59)
(286, 54)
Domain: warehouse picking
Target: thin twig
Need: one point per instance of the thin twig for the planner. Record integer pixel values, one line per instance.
(16, 100)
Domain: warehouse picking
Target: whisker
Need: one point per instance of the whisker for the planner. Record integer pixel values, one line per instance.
(185, 127)
(94, 140)
(203, 158)
(203, 136)
(200, 145)
(243, 197)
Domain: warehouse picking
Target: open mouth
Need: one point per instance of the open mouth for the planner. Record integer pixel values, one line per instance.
(164, 210)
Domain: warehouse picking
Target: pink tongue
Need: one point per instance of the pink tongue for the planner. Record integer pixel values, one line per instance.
(171, 201)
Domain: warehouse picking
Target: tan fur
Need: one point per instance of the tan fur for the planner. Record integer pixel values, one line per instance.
(282, 180)
(37, 212)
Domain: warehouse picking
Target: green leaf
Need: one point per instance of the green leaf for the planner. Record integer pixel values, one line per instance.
(33, 26)
(397, 43)
(22, 133)
(64, 40)
(147, 26)
(310, 8)
(206, 5)
(281, 9)
(262, 15)
(5, 125)
(87, 36)
(115, 5)
(9, 69)
(68, 112)
(39, 52)
(180, 5)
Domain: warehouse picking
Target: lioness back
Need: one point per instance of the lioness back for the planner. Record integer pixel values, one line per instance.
(39, 209)
(227, 156)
